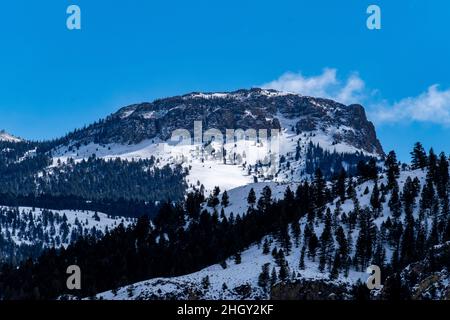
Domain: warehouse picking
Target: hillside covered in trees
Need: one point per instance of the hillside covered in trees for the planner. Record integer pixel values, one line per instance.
(393, 217)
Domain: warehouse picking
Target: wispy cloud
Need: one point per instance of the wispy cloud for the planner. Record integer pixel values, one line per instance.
(432, 105)
(325, 85)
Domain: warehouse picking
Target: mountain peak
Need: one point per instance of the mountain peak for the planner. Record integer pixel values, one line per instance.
(5, 136)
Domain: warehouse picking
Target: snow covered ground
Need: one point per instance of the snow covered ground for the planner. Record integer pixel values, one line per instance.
(210, 169)
(234, 276)
(26, 225)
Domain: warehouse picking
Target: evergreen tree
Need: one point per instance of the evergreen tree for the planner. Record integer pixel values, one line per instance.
(365, 241)
(273, 277)
(326, 244)
(394, 202)
(225, 199)
(340, 184)
(392, 168)
(419, 157)
(301, 264)
(313, 243)
(432, 165)
(442, 177)
(319, 189)
(265, 200)
(251, 199)
(375, 198)
(284, 271)
(296, 232)
(334, 274)
(264, 277)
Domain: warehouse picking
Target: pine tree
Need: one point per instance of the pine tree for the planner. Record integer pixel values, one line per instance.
(340, 184)
(419, 157)
(273, 277)
(296, 232)
(326, 244)
(394, 202)
(301, 264)
(313, 243)
(375, 198)
(284, 271)
(264, 277)
(365, 241)
(408, 247)
(420, 241)
(427, 199)
(265, 200)
(392, 169)
(442, 177)
(343, 249)
(350, 188)
(336, 267)
(433, 238)
(251, 199)
(225, 199)
(379, 256)
(432, 165)
(319, 189)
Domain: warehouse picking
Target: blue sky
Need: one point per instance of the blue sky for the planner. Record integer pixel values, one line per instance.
(53, 80)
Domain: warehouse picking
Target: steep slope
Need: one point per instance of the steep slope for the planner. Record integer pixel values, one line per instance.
(242, 280)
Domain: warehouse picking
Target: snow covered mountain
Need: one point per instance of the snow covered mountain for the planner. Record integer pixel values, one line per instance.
(5, 136)
(311, 130)
(247, 219)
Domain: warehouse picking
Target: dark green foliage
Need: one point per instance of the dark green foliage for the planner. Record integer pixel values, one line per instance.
(419, 158)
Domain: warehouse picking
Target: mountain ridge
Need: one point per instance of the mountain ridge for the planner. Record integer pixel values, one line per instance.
(244, 109)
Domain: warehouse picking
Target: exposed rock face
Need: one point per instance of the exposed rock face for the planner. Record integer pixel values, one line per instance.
(243, 109)
(309, 290)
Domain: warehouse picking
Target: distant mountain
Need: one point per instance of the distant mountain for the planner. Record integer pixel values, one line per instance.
(4, 136)
(315, 133)
(243, 109)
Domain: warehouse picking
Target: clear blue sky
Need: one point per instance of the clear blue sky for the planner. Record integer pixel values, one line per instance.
(53, 80)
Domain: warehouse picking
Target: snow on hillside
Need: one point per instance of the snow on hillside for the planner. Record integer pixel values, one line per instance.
(237, 276)
(238, 196)
(210, 169)
(4, 136)
(53, 228)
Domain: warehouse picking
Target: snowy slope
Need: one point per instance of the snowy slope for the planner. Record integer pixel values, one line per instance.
(26, 227)
(241, 157)
(235, 276)
(301, 120)
(5, 136)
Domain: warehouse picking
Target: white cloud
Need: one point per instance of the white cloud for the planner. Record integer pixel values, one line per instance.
(325, 85)
(431, 106)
